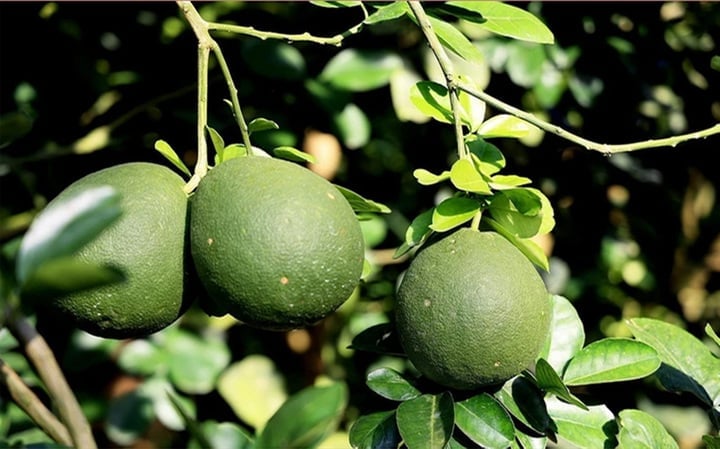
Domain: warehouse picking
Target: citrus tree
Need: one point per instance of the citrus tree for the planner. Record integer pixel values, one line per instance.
(235, 292)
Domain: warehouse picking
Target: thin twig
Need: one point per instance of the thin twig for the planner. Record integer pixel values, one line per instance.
(42, 358)
(28, 401)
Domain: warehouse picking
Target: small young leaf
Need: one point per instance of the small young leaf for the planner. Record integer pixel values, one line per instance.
(390, 384)
(380, 338)
(473, 109)
(487, 157)
(506, 182)
(293, 154)
(360, 204)
(517, 211)
(66, 275)
(525, 401)
(306, 418)
(504, 125)
(392, 11)
(508, 20)
(416, 233)
(375, 431)
(432, 100)
(530, 249)
(712, 334)
(482, 419)
(427, 178)
(640, 430)
(166, 150)
(465, 176)
(611, 360)
(681, 353)
(66, 226)
(549, 380)
(261, 124)
(585, 429)
(230, 152)
(216, 139)
(360, 70)
(453, 212)
(451, 38)
(567, 335)
(427, 421)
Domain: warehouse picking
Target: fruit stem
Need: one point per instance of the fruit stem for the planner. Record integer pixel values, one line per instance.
(475, 223)
(447, 69)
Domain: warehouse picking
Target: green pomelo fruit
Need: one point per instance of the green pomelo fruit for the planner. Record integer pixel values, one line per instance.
(472, 311)
(148, 243)
(275, 245)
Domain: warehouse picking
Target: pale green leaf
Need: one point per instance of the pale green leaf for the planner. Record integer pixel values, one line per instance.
(640, 430)
(488, 158)
(611, 360)
(506, 182)
(427, 178)
(402, 82)
(455, 40)
(293, 154)
(432, 100)
(261, 124)
(453, 212)
(166, 150)
(465, 176)
(712, 334)
(508, 20)
(567, 336)
(529, 248)
(593, 428)
(359, 70)
(391, 11)
(504, 125)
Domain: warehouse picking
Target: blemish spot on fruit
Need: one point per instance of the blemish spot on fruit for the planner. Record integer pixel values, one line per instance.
(210, 241)
(284, 280)
(496, 364)
(427, 303)
(331, 196)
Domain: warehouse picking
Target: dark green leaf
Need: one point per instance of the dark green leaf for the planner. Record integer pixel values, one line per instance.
(427, 421)
(416, 233)
(682, 353)
(293, 154)
(593, 428)
(128, 417)
(488, 158)
(166, 150)
(427, 178)
(611, 360)
(453, 212)
(517, 211)
(485, 421)
(451, 38)
(390, 384)
(375, 431)
(66, 226)
(567, 335)
(66, 275)
(306, 418)
(360, 204)
(525, 401)
(392, 11)
(380, 338)
(549, 380)
(508, 20)
(465, 176)
(432, 100)
(261, 124)
(274, 59)
(711, 442)
(360, 70)
(640, 430)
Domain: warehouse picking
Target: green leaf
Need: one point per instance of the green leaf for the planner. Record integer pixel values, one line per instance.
(261, 124)
(453, 212)
(482, 419)
(66, 226)
(306, 418)
(547, 213)
(253, 388)
(427, 421)
(274, 59)
(360, 70)
(688, 365)
(640, 430)
(217, 141)
(432, 100)
(66, 275)
(488, 158)
(230, 152)
(593, 428)
(380, 338)
(336, 3)
(222, 435)
(507, 182)
(451, 38)
(194, 362)
(353, 126)
(525, 401)
(375, 431)
(361, 204)
(390, 384)
(416, 233)
(611, 360)
(402, 82)
(504, 125)
(511, 21)
(293, 154)
(549, 380)
(712, 334)
(530, 249)
(141, 357)
(159, 390)
(567, 336)
(472, 110)
(711, 442)
(517, 211)
(427, 178)
(128, 417)
(465, 176)
(529, 442)
(166, 150)
(392, 11)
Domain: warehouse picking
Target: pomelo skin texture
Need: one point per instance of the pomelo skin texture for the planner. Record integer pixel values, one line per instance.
(148, 243)
(472, 311)
(274, 244)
